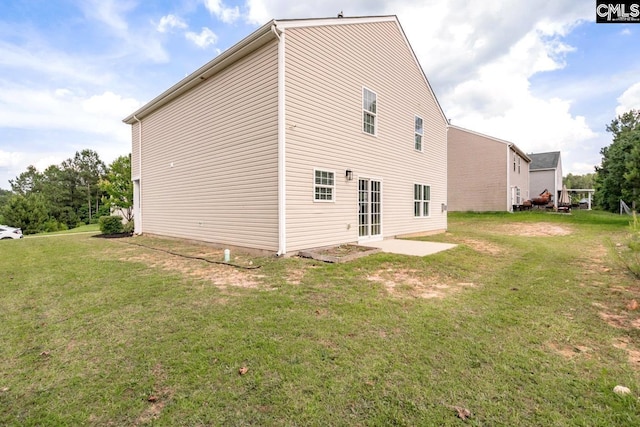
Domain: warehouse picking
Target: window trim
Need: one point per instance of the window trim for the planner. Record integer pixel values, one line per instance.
(366, 111)
(416, 133)
(421, 201)
(316, 185)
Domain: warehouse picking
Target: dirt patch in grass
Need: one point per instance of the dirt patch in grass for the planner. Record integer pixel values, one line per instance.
(534, 229)
(221, 275)
(407, 283)
(633, 354)
(158, 399)
(483, 247)
(569, 351)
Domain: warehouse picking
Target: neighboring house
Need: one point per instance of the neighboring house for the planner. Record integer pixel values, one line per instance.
(485, 173)
(546, 174)
(307, 133)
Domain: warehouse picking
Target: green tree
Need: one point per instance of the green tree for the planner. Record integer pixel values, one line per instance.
(90, 170)
(58, 191)
(579, 181)
(27, 182)
(29, 212)
(617, 176)
(118, 186)
(5, 195)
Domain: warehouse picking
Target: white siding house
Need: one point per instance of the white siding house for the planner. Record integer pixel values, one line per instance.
(307, 133)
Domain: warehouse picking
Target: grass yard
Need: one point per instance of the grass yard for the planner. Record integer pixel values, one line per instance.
(529, 321)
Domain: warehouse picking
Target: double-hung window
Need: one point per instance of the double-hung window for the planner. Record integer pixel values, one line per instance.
(323, 186)
(419, 132)
(369, 111)
(421, 199)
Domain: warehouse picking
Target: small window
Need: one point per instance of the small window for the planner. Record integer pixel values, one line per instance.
(514, 162)
(421, 199)
(419, 132)
(518, 165)
(323, 186)
(369, 111)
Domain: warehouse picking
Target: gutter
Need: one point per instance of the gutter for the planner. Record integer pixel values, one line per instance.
(139, 220)
(509, 205)
(282, 164)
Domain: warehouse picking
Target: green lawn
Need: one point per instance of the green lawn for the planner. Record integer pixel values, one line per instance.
(527, 322)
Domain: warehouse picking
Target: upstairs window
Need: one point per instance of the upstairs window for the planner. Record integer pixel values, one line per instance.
(419, 132)
(323, 186)
(421, 199)
(518, 164)
(369, 111)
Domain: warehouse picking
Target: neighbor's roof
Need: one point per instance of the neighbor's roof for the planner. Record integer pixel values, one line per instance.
(252, 42)
(541, 161)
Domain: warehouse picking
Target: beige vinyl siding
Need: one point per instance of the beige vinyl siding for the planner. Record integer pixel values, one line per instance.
(519, 179)
(210, 158)
(541, 180)
(326, 70)
(477, 172)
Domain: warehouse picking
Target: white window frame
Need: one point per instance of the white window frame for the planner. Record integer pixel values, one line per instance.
(418, 135)
(367, 112)
(317, 185)
(421, 201)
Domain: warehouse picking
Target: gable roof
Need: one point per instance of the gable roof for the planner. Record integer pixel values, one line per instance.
(252, 42)
(541, 161)
(513, 146)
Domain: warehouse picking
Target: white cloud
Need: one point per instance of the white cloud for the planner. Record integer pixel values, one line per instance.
(141, 42)
(228, 15)
(204, 39)
(9, 159)
(46, 61)
(93, 122)
(257, 13)
(109, 12)
(169, 22)
(629, 100)
(61, 109)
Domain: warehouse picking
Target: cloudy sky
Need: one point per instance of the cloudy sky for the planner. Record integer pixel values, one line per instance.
(541, 74)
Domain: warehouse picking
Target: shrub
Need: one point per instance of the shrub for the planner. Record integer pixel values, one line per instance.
(129, 227)
(51, 225)
(111, 224)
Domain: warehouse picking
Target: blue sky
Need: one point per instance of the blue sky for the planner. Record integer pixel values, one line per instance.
(544, 76)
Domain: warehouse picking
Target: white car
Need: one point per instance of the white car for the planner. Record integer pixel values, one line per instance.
(7, 232)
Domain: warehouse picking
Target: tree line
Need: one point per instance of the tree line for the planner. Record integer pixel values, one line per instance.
(618, 176)
(78, 191)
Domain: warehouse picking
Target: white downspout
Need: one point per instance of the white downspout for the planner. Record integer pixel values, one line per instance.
(139, 210)
(509, 190)
(282, 175)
